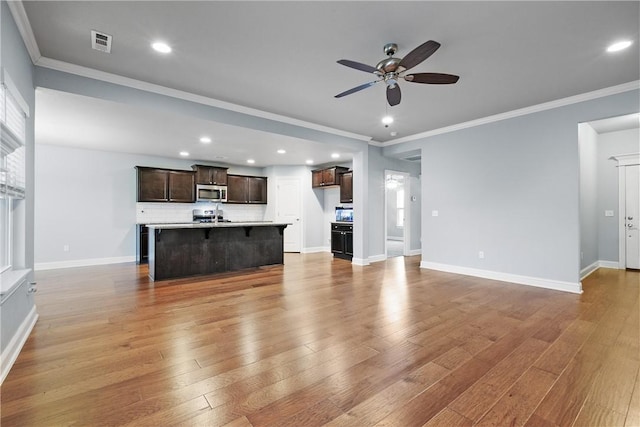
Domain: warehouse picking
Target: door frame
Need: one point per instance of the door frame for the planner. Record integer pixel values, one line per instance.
(407, 212)
(623, 160)
(300, 206)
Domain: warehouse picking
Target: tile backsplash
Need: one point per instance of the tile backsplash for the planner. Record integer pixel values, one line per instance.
(158, 213)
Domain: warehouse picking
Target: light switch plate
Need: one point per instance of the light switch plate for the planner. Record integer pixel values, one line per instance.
(434, 213)
(608, 213)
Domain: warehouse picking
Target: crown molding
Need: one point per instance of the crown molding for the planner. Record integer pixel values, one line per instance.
(91, 73)
(24, 27)
(613, 90)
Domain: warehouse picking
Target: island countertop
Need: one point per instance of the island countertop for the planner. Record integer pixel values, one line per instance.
(221, 224)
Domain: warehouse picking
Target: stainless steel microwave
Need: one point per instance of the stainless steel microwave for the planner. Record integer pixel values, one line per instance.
(211, 193)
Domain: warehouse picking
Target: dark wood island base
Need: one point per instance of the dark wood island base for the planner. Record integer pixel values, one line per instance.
(183, 250)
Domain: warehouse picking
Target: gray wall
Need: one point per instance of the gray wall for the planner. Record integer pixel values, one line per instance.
(87, 199)
(509, 188)
(415, 191)
(15, 60)
(610, 144)
(588, 148)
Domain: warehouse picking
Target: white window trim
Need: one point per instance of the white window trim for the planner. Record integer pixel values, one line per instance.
(13, 90)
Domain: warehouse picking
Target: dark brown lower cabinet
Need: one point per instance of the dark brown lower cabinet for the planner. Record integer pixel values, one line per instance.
(183, 252)
(342, 240)
(142, 244)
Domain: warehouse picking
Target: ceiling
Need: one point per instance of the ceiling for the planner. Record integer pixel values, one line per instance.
(280, 58)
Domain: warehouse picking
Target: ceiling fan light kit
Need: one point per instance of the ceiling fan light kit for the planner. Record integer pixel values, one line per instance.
(391, 70)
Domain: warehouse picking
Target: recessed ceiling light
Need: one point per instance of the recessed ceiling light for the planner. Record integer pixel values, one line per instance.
(251, 161)
(618, 46)
(335, 155)
(387, 120)
(394, 133)
(281, 151)
(205, 140)
(309, 162)
(184, 153)
(161, 47)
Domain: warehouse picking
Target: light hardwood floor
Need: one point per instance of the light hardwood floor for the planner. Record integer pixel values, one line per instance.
(321, 342)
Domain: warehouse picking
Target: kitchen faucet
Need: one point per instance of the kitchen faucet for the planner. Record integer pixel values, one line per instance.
(216, 213)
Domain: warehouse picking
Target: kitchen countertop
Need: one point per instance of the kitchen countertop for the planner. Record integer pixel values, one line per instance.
(218, 225)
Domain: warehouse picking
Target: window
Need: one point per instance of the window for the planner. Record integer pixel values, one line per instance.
(400, 208)
(13, 126)
(6, 238)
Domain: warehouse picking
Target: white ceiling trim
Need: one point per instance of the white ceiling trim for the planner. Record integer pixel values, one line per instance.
(91, 73)
(626, 87)
(24, 26)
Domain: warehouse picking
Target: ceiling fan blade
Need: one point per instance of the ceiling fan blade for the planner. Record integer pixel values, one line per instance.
(358, 66)
(356, 89)
(419, 54)
(432, 78)
(393, 95)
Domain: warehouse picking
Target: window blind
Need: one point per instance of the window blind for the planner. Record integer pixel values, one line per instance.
(13, 126)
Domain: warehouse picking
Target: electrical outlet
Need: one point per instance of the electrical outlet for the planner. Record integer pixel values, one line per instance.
(435, 213)
(481, 255)
(65, 248)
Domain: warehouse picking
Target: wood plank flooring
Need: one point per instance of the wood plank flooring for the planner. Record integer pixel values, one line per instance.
(321, 342)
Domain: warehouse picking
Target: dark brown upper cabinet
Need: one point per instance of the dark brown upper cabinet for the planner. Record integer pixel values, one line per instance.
(327, 177)
(246, 189)
(165, 185)
(346, 187)
(210, 175)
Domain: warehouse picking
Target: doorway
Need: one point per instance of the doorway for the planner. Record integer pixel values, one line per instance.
(629, 207)
(289, 210)
(397, 214)
(632, 210)
(609, 193)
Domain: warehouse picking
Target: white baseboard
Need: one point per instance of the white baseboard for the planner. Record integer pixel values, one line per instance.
(315, 250)
(10, 354)
(377, 258)
(82, 262)
(588, 270)
(585, 272)
(609, 264)
(359, 261)
(557, 285)
(414, 252)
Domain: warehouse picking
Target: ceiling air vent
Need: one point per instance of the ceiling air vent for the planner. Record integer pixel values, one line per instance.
(413, 158)
(101, 41)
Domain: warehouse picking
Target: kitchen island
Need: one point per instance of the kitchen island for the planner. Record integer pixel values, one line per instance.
(182, 250)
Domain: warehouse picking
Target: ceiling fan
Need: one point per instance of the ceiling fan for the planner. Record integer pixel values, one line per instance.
(392, 69)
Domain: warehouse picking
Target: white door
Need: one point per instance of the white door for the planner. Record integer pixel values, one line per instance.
(632, 216)
(289, 209)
